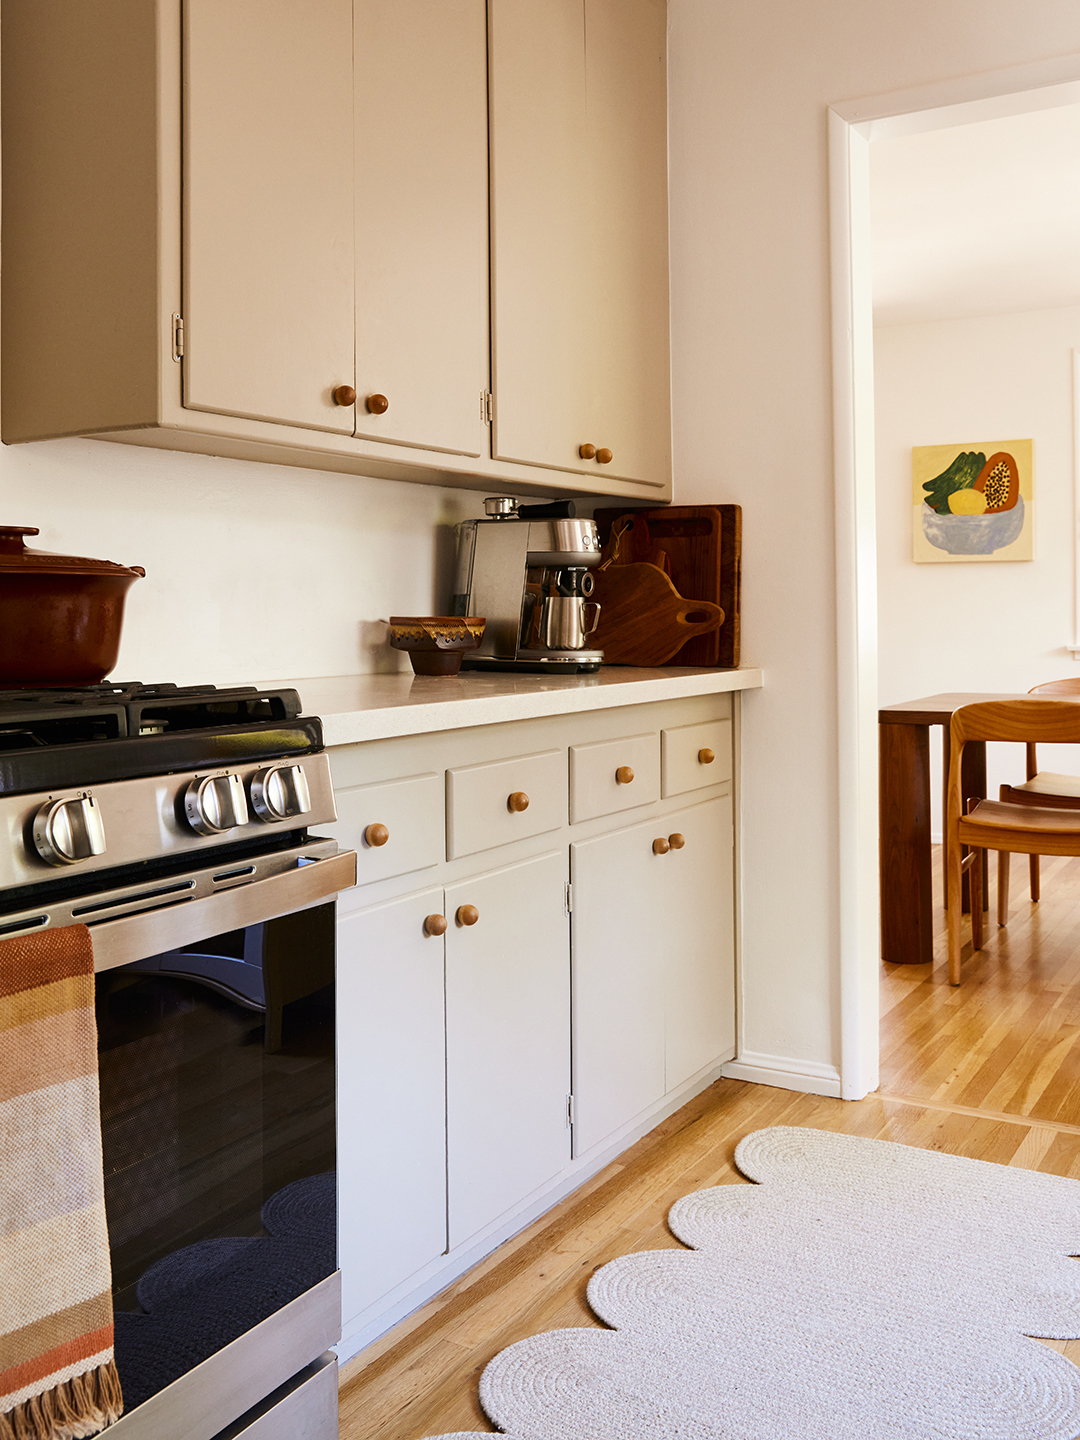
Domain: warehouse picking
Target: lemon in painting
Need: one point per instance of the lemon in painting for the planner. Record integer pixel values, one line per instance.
(967, 502)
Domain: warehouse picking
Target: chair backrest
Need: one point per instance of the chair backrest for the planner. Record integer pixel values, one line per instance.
(1057, 687)
(1026, 721)
(1051, 721)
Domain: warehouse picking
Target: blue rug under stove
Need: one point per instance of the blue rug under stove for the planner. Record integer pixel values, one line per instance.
(203, 1297)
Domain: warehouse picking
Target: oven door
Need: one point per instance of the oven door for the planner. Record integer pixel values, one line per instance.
(216, 1060)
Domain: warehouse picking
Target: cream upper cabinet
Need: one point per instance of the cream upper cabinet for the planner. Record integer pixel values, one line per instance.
(579, 237)
(421, 223)
(413, 239)
(268, 224)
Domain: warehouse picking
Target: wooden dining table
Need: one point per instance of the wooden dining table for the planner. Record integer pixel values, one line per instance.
(904, 820)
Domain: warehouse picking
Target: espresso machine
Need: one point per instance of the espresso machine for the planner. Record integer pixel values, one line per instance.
(528, 569)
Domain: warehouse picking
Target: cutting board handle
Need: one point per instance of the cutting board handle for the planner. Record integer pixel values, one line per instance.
(711, 617)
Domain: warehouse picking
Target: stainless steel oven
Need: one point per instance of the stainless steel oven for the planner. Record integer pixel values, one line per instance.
(177, 825)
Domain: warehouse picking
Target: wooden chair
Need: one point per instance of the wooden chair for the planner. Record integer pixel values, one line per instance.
(1026, 829)
(1045, 790)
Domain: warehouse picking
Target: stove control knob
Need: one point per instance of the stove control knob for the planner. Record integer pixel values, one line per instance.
(215, 803)
(67, 831)
(280, 792)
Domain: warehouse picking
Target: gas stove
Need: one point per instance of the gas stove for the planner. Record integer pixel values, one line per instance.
(117, 799)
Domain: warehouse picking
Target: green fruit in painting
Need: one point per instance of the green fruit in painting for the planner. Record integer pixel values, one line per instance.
(960, 475)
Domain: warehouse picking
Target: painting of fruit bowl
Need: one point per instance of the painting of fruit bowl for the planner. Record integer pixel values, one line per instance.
(973, 502)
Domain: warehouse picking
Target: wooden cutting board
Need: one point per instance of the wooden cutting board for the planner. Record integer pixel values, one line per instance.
(643, 618)
(700, 547)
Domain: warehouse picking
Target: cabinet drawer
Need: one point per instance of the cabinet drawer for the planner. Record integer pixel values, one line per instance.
(411, 813)
(685, 751)
(479, 801)
(613, 775)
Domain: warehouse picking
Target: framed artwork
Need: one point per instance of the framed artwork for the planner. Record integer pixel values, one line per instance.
(973, 502)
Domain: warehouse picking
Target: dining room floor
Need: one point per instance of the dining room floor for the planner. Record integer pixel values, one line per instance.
(990, 1070)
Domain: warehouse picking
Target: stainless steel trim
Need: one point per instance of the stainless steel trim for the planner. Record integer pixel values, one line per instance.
(135, 937)
(304, 1409)
(204, 1401)
(144, 818)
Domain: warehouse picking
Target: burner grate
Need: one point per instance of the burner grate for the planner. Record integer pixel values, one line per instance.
(110, 711)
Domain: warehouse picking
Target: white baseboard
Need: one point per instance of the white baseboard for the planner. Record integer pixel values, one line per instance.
(807, 1076)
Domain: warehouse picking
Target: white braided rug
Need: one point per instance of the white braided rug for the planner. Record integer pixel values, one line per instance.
(861, 1290)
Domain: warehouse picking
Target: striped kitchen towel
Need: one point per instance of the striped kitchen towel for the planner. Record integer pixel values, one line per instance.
(58, 1379)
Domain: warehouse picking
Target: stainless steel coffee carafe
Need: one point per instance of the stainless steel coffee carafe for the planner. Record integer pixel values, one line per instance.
(567, 621)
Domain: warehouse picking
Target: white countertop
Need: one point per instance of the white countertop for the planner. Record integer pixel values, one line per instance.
(375, 707)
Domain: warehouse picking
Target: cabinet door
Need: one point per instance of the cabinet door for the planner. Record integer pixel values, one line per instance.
(507, 1040)
(540, 272)
(618, 967)
(268, 209)
(421, 221)
(391, 1097)
(579, 235)
(626, 148)
(699, 941)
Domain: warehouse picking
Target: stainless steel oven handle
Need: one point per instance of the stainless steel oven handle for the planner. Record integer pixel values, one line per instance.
(135, 937)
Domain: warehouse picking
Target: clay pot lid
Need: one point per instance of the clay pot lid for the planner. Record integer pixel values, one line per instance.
(14, 555)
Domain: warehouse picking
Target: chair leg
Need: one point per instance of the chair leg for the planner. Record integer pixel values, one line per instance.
(953, 915)
(1033, 864)
(976, 881)
(1004, 857)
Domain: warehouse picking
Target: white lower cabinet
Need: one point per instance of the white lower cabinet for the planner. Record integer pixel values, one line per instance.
(654, 964)
(392, 1112)
(507, 1040)
(482, 1000)
(459, 1046)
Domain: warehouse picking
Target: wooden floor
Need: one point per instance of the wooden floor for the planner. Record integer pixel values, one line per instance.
(990, 1070)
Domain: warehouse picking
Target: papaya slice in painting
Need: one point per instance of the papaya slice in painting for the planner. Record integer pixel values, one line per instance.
(999, 481)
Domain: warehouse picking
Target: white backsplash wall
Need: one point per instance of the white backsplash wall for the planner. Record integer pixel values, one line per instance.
(253, 572)
(991, 627)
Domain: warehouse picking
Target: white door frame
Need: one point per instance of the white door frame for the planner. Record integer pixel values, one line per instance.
(853, 126)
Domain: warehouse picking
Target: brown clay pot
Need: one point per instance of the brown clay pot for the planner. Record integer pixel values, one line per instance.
(60, 615)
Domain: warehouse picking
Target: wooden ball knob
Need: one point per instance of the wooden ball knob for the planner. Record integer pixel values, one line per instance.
(587, 452)
(676, 841)
(344, 395)
(467, 915)
(660, 846)
(376, 835)
(624, 775)
(705, 757)
(517, 802)
(435, 925)
(377, 404)
(604, 456)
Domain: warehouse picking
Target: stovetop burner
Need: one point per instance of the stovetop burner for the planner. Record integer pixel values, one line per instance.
(53, 738)
(109, 711)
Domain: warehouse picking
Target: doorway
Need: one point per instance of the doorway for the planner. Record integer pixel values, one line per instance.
(854, 128)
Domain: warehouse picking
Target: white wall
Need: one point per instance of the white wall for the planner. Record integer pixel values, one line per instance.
(253, 572)
(750, 83)
(963, 626)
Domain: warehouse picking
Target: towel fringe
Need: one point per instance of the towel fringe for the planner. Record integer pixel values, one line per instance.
(73, 1410)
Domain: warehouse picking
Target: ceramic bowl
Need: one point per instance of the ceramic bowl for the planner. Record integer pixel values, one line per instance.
(436, 643)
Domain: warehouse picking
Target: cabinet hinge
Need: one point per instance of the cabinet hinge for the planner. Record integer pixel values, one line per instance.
(177, 337)
(570, 1110)
(486, 404)
(568, 898)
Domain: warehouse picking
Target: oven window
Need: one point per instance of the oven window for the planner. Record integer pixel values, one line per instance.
(217, 1110)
